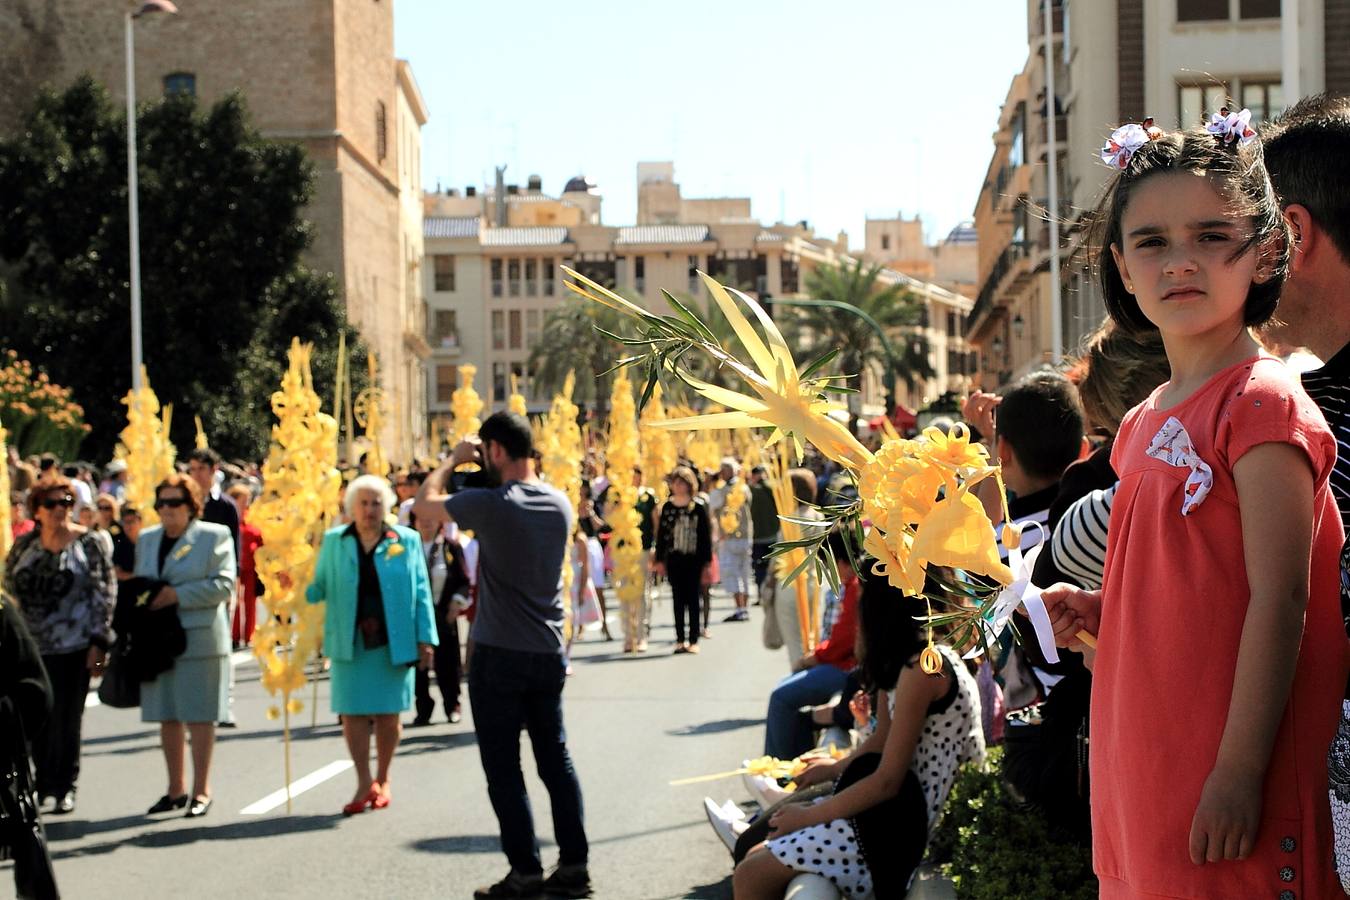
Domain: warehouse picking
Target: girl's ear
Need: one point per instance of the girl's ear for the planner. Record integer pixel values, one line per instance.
(1120, 267)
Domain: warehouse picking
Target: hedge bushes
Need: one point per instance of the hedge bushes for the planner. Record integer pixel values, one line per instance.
(995, 850)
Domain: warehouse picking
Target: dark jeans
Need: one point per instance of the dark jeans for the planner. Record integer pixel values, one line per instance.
(788, 733)
(446, 664)
(510, 690)
(1046, 764)
(56, 748)
(685, 576)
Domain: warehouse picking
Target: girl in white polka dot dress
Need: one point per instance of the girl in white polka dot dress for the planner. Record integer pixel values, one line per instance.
(870, 834)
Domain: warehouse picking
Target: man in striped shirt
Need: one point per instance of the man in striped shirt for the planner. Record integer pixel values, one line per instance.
(1307, 152)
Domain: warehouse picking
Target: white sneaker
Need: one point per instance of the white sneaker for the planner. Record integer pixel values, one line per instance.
(723, 821)
(764, 789)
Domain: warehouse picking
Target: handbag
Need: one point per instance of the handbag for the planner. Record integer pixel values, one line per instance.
(22, 838)
(120, 687)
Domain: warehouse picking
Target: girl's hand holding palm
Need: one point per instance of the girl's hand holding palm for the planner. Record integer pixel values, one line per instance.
(1071, 610)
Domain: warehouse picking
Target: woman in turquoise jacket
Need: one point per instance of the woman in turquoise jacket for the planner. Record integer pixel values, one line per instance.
(379, 622)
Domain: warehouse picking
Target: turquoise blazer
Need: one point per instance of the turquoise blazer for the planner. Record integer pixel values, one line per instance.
(405, 587)
(200, 567)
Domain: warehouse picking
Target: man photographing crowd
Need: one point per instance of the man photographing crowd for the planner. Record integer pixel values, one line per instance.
(516, 680)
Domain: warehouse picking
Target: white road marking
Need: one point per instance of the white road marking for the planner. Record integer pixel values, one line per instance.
(299, 786)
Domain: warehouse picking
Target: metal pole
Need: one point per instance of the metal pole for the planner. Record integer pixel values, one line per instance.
(1289, 39)
(133, 211)
(1052, 157)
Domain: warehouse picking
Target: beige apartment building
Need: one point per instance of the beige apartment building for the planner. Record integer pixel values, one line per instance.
(901, 244)
(319, 72)
(1118, 61)
(490, 286)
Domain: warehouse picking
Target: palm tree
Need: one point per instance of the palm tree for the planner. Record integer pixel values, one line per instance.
(894, 307)
(569, 342)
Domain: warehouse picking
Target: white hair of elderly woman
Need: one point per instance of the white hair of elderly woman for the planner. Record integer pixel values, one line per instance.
(369, 483)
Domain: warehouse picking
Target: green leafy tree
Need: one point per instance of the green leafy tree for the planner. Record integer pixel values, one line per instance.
(221, 231)
(894, 307)
(570, 342)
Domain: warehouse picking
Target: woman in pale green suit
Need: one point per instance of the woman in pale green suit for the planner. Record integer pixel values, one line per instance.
(379, 622)
(196, 560)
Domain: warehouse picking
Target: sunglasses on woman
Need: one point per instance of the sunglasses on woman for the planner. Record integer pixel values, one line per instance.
(170, 502)
(54, 502)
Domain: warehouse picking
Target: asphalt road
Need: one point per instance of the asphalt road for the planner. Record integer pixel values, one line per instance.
(634, 724)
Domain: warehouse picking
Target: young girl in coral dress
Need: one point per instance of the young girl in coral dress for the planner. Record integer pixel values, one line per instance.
(1220, 657)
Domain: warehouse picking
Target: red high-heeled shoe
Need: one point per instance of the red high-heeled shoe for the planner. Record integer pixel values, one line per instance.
(359, 806)
(382, 796)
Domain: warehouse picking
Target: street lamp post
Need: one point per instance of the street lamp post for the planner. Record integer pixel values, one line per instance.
(133, 201)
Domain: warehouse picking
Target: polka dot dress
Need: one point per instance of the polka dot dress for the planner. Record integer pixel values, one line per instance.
(951, 736)
(830, 850)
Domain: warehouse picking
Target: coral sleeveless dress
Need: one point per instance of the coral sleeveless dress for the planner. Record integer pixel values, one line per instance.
(1174, 601)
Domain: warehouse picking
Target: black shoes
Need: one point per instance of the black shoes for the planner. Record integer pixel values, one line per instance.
(515, 886)
(568, 881)
(198, 807)
(419, 722)
(740, 615)
(167, 804)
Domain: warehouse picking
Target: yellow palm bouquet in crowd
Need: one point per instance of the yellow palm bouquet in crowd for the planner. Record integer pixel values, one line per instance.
(516, 402)
(658, 446)
(625, 540)
(145, 448)
(300, 493)
(560, 448)
(466, 405)
(926, 527)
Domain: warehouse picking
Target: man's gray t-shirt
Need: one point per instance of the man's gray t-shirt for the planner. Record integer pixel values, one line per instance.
(522, 533)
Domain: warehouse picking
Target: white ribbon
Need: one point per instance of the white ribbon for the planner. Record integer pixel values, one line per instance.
(1025, 594)
(1122, 144)
(1173, 445)
(1232, 126)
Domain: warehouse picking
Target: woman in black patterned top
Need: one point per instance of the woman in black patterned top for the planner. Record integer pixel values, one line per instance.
(683, 550)
(62, 576)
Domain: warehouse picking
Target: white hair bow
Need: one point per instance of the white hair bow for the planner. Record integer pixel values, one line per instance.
(1232, 126)
(1123, 143)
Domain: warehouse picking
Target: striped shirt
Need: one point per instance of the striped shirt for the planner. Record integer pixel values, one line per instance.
(1329, 388)
(1079, 544)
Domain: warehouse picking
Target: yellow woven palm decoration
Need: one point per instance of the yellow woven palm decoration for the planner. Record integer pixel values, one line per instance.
(300, 492)
(560, 446)
(516, 402)
(917, 494)
(622, 457)
(658, 446)
(466, 406)
(202, 442)
(145, 448)
(803, 583)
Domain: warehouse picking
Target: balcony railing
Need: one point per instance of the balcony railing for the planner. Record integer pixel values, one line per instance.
(984, 302)
(446, 340)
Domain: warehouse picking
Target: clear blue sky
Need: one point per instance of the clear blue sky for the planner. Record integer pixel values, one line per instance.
(829, 112)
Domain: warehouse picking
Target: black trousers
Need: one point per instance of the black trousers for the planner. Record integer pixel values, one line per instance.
(56, 748)
(446, 664)
(685, 576)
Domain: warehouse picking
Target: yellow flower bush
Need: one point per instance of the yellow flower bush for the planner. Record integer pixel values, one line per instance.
(625, 541)
(300, 492)
(145, 448)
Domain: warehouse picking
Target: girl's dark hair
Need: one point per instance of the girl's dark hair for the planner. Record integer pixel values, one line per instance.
(889, 632)
(1238, 172)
